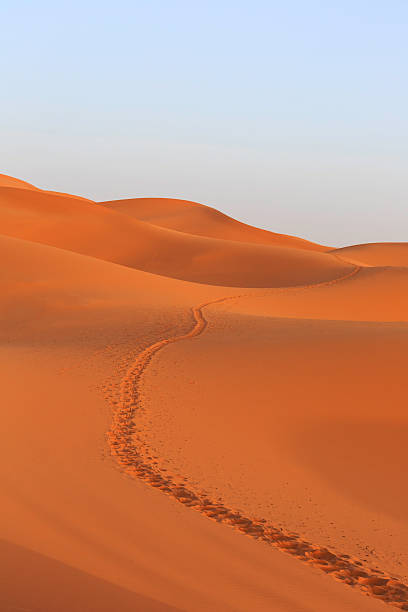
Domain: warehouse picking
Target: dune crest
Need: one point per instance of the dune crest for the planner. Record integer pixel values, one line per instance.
(200, 220)
(375, 254)
(10, 181)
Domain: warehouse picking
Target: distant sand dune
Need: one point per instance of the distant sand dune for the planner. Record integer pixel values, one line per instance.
(200, 220)
(84, 227)
(375, 254)
(10, 181)
(372, 294)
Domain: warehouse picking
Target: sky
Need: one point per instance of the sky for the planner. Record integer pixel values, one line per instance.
(289, 115)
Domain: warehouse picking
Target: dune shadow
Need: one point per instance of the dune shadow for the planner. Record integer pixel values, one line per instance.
(32, 582)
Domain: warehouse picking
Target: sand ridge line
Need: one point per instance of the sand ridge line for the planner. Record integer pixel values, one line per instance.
(137, 463)
(333, 281)
(343, 260)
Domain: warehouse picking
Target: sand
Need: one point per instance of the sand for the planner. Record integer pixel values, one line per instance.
(90, 229)
(175, 444)
(200, 220)
(375, 254)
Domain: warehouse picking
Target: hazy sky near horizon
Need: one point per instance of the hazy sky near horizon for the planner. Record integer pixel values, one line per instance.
(288, 115)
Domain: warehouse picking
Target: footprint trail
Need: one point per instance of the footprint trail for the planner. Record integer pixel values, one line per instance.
(135, 463)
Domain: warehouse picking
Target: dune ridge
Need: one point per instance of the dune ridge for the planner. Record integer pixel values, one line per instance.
(10, 181)
(200, 220)
(394, 254)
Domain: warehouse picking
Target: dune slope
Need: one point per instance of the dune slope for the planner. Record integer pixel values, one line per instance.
(375, 254)
(10, 181)
(298, 397)
(87, 228)
(201, 220)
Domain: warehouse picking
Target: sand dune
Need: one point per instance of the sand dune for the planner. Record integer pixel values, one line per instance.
(176, 445)
(89, 229)
(375, 254)
(200, 220)
(10, 181)
(371, 294)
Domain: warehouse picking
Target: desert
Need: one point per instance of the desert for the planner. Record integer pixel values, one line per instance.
(197, 414)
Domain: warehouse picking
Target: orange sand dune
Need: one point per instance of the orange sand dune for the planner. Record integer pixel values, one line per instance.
(71, 327)
(371, 294)
(10, 181)
(201, 220)
(375, 254)
(194, 446)
(86, 228)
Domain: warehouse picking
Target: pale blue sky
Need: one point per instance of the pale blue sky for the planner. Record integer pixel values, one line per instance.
(288, 115)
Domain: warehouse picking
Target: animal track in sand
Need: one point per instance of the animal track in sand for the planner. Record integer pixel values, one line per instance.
(140, 464)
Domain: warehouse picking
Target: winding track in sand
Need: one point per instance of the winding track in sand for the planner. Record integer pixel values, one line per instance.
(136, 462)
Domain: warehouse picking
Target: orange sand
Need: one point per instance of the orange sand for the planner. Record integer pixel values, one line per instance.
(375, 254)
(200, 220)
(150, 420)
(90, 229)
